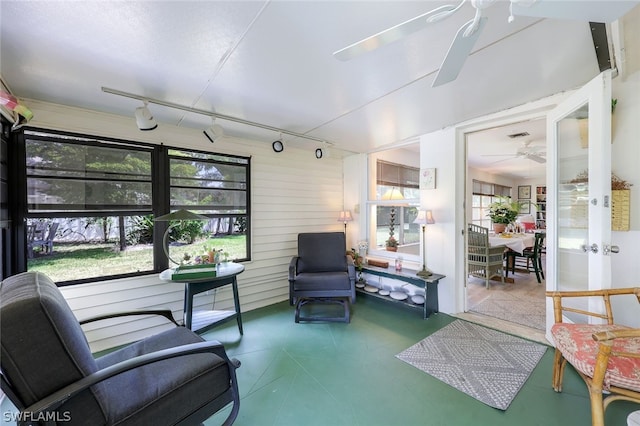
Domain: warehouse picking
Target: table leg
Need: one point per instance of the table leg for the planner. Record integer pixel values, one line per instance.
(236, 301)
(188, 306)
(431, 299)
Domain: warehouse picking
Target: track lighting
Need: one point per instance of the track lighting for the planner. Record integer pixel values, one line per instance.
(144, 123)
(319, 153)
(214, 132)
(144, 119)
(277, 146)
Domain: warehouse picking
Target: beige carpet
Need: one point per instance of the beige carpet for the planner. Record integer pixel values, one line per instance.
(521, 302)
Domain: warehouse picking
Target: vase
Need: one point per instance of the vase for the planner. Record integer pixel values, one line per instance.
(499, 228)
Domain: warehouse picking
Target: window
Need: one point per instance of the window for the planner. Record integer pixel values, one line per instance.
(395, 208)
(484, 193)
(90, 205)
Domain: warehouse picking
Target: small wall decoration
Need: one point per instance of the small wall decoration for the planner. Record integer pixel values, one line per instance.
(428, 178)
(525, 206)
(524, 192)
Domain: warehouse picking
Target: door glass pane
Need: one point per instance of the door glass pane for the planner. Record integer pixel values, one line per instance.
(573, 201)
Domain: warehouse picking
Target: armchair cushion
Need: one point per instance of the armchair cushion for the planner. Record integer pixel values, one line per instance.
(163, 385)
(578, 347)
(321, 252)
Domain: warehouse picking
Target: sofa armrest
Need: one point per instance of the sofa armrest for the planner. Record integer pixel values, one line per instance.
(162, 312)
(59, 397)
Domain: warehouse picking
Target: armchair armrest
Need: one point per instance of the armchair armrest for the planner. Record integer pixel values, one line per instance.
(605, 294)
(162, 312)
(351, 268)
(292, 267)
(57, 398)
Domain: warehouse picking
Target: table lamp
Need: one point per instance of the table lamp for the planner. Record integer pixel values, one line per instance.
(424, 217)
(178, 215)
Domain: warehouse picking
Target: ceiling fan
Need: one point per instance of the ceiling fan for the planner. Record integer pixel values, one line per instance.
(468, 34)
(527, 151)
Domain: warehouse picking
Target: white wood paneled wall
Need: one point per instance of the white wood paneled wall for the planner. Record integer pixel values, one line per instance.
(292, 192)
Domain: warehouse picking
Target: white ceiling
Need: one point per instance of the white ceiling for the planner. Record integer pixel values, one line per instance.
(271, 62)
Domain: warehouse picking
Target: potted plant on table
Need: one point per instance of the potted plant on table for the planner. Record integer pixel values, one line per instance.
(502, 212)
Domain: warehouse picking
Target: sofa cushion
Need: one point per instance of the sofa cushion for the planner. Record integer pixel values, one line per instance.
(576, 343)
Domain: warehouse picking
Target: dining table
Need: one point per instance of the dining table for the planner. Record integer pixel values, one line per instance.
(515, 242)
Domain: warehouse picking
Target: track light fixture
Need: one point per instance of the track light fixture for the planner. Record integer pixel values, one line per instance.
(214, 132)
(144, 119)
(319, 153)
(277, 146)
(210, 114)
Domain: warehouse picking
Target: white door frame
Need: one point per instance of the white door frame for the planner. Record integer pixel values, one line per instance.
(532, 111)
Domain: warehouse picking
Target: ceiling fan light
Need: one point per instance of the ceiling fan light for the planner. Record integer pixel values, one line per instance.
(144, 119)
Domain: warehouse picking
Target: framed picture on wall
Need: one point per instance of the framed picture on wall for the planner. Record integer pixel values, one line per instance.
(428, 178)
(525, 206)
(524, 192)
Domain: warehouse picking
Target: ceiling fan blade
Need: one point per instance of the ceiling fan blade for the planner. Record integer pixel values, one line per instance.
(391, 34)
(588, 11)
(457, 54)
(536, 158)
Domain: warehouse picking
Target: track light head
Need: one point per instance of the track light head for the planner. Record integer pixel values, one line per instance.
(214, 132)
(319, 153)
(277, 146)
(144, 119)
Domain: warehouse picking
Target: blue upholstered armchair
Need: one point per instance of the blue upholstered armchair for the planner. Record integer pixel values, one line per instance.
(322, 268)
(48, 371)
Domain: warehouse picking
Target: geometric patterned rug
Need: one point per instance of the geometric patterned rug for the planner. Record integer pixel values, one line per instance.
(486, 364)
(514, 307)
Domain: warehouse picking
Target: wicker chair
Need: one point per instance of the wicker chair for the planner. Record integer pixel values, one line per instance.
(606, 356)
(483, 261)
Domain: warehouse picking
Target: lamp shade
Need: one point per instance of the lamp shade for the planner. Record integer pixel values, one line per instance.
(181, 214)
(425, 217)
(345, 216)
(392, 194)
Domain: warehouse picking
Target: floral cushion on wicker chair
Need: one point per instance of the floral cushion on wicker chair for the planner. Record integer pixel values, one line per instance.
(576, 343)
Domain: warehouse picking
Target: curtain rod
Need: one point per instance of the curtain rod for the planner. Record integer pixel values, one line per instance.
(211, 114)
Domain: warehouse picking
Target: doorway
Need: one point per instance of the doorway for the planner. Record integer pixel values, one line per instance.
(509, 159)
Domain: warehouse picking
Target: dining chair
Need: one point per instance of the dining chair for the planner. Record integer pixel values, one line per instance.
(532, 256)
(483, 260)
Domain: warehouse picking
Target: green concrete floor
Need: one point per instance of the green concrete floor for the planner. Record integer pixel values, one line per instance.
(347, 374)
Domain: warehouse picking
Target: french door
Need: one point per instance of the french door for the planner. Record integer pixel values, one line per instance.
(579, 192)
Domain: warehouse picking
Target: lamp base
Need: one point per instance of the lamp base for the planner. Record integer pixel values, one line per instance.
(425, 272)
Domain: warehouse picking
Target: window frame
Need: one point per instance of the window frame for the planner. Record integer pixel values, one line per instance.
(160, 194)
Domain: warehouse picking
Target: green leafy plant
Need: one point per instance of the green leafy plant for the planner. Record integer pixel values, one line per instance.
(503, 210)
(392, 242)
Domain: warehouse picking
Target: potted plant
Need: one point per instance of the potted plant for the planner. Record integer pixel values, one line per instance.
(502, 212)
(392, 244)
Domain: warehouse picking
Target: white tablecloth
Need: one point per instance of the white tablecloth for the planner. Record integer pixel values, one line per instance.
(516, 242)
